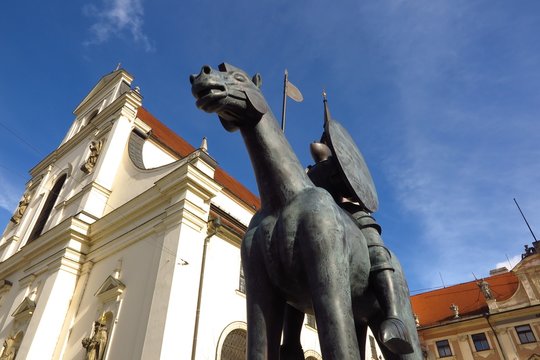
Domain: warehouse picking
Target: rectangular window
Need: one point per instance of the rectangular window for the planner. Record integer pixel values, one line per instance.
(310, 321)
(242, 281)
(525, 334)
(374, 355)
(480, 342)
(443, 347)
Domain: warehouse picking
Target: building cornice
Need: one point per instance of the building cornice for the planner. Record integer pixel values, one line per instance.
(68, 240)
(497, 319)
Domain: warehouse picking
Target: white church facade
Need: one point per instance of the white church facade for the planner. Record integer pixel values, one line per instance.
(114, 251)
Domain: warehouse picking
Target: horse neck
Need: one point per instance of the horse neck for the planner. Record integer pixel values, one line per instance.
(279, 174)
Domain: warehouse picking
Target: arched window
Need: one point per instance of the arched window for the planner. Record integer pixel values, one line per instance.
(47, 208)
(234, 346)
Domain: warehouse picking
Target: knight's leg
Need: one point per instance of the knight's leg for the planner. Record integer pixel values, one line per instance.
(393, 332)
(325, 255)
(291, 349)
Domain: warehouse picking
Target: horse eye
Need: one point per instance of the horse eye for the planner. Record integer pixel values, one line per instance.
(240, 77)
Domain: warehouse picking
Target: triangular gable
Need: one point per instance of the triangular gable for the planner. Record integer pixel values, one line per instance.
(110, 288)
(26, 308)
(102, 83)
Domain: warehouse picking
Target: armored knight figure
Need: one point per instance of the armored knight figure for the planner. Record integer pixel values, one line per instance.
(341, 170)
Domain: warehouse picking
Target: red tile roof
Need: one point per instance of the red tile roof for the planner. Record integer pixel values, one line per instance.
(433, 307)
(182, 148)
(164, 135)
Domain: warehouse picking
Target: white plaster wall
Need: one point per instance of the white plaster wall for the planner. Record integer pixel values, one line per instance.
(181, 305)
(221, 303)
(131, 181)
(154, 156)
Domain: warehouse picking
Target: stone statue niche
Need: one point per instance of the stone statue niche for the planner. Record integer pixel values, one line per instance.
(303, 252)
(11, 346)
(21, 209)
(96, 344)
(90, 163)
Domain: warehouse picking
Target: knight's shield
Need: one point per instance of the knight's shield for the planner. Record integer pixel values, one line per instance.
(352, 165)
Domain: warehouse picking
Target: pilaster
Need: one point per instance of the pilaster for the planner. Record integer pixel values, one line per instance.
(182, 234)
(51, 310)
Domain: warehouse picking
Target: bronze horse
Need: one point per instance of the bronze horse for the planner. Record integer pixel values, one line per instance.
(301, 249)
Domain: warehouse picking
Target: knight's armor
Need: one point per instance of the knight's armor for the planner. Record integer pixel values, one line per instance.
(326, 173)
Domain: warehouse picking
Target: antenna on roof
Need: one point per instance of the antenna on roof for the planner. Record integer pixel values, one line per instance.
(440, 275)
(509, 263)
(118, 66)
(526, 222)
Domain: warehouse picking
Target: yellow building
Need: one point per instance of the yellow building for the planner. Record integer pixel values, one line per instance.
(493, 318)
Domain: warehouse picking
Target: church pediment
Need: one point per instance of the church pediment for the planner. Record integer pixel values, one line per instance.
(110, 288)
(25, 309)
(102, 84)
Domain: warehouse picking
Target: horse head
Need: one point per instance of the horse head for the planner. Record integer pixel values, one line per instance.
(231, 94)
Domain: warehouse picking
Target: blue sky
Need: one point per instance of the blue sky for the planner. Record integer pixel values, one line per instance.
(443, 98)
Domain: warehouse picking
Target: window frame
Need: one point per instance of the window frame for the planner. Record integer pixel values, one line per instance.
(311, 322)
(528, 334)
(483, 342)
(444, 344)
(241, 281)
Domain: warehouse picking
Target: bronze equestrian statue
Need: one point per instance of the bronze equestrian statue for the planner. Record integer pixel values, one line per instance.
(302, 252)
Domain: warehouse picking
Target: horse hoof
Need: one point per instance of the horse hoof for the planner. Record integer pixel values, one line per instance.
(291, 352)
(395, 337)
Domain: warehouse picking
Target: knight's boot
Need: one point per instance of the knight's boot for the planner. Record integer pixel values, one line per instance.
(392, 332)
(395, 336)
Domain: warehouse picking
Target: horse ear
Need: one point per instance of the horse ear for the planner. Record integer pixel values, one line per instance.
(257, 80)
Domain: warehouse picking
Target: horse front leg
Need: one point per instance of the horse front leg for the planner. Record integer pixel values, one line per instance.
(265, 308)
(325, 254)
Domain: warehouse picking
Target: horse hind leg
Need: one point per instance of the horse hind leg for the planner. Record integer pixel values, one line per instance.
(291, 348)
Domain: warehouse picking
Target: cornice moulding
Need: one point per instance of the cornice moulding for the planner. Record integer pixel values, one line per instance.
(70, 233)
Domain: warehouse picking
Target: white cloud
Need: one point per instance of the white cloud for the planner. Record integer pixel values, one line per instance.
(509, 263)
(116, 18)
